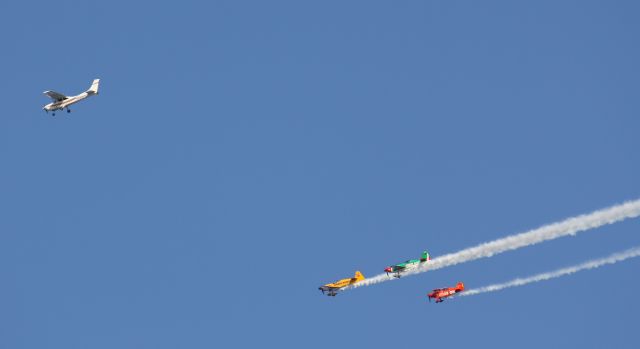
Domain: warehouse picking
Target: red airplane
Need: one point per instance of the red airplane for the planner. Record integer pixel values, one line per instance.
(440, 293)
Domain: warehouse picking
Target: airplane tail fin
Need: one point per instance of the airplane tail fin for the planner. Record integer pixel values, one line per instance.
(359, 276)
(425, 257)
(460, 286)
(93, 90)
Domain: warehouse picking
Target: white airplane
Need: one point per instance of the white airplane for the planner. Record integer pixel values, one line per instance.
(60, 101)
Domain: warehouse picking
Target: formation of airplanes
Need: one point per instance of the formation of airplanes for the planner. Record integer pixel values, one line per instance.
(439, 294)
(61, 102)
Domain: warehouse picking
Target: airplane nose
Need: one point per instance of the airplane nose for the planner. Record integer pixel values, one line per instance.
(388, 269)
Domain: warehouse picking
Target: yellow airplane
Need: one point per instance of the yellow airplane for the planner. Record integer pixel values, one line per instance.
(334, 287)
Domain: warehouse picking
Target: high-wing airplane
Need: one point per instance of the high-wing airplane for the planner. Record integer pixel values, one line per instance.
(410, 264)
(336, 286)
(440, 293)
(61, 101)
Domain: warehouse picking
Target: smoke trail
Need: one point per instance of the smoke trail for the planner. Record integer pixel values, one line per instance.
(612, 259)
(569, 226)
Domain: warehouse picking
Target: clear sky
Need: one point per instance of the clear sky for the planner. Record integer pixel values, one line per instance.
(242, 153)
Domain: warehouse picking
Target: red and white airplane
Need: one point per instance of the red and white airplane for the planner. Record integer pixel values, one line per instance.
(440, 293)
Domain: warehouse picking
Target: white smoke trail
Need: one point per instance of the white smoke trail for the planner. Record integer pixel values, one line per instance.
(569, 226)
(614, 258)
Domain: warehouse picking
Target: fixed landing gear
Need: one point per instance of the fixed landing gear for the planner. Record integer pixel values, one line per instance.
(68, 110)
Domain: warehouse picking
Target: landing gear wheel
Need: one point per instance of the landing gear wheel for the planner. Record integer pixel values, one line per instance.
(68, 110)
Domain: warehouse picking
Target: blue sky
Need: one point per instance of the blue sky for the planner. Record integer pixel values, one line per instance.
(242, 153)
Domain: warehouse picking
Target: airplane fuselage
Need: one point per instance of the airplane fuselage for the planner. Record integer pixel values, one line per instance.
(440, 293)
(65, 103)
(407, 265)
(334, 287)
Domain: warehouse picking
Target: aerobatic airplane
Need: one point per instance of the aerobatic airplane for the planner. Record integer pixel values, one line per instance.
(410, 264)
(60, 101)
(336, 286)
(440, 293)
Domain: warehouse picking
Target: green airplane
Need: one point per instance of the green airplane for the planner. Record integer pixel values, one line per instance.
(410, 264)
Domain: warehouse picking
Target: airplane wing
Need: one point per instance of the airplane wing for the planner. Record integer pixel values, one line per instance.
(398, 269)
(331, 291)
(57, 97)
